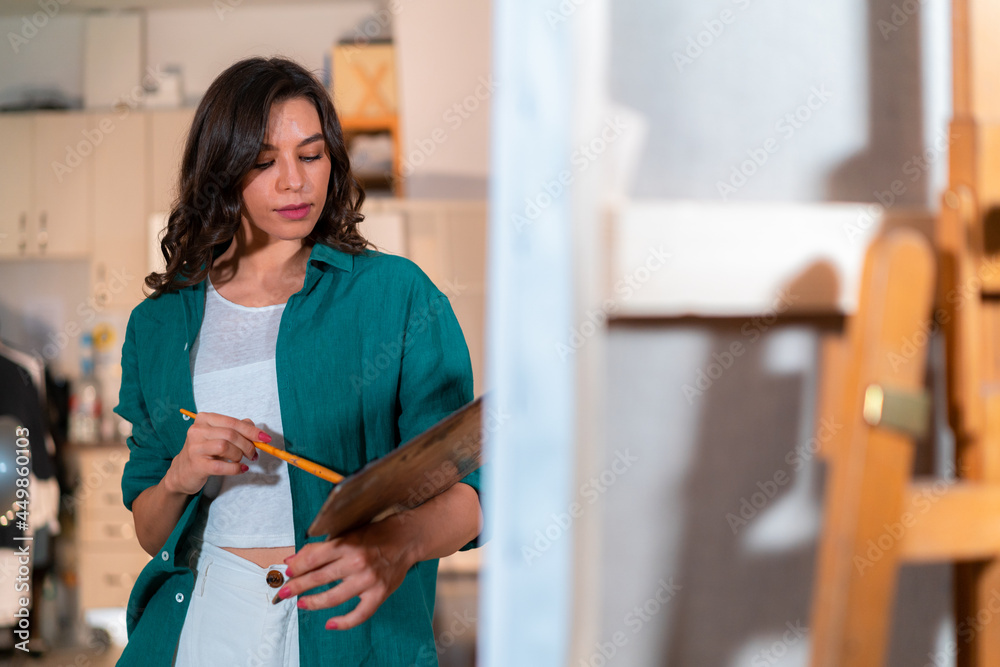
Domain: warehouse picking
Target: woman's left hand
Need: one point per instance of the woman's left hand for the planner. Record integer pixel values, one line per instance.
(370, 563)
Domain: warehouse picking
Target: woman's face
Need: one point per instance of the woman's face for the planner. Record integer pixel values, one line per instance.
(285, 191)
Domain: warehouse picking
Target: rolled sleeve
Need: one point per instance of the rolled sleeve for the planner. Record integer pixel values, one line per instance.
(148, 458)
(436, 375)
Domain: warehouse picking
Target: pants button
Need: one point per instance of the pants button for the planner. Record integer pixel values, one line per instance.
(275, 578)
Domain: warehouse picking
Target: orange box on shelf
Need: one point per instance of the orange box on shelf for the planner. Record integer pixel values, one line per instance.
(364, 80)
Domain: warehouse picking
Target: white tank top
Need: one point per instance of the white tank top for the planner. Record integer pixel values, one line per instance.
(232, 366)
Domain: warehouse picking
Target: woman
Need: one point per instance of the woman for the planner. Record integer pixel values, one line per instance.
(275, 322)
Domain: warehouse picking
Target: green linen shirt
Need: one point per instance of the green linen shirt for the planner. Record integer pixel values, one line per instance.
(369, 354)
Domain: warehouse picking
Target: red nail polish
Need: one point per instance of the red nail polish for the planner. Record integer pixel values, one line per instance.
(285, 592)
(331, 625)
(288, 572)
(301, 604)
(244, 467)
(263, 437)
(256, 455)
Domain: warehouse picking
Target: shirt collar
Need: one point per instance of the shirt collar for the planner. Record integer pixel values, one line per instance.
(320, 257)
(332, 257)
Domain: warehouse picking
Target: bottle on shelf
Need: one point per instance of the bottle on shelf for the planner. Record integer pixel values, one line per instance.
(85, 400)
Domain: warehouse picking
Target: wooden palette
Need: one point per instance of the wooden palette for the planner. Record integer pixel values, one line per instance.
(410, 475)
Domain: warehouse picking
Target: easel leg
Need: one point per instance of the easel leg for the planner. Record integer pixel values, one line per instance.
(977, 613)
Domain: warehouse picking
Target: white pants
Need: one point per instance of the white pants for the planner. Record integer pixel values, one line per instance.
(230, 619)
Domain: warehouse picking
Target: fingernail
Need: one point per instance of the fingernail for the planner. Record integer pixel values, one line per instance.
(288, 572)
(256, 455)
(244, 467)
(263, 437)
(331, 625)
(285, 592)
(301, 604)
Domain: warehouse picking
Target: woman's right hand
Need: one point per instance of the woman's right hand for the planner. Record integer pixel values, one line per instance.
(215, 444)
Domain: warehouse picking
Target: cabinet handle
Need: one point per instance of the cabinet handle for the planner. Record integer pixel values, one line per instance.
(122, 579)
(22, 244)
(43, 232)
(119, 531)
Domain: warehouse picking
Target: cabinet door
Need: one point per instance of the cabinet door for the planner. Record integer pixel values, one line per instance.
(168, 133)
(64, 163)
(15, 183)
(120, 239)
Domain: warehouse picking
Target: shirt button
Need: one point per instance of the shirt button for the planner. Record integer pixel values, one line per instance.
(179, 597)
(275, 578)
(165, 556)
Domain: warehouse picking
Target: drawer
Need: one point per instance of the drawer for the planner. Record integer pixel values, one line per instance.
(98, 494)
(106, 577)
(102, 505)
(107, 534)
(99, 464)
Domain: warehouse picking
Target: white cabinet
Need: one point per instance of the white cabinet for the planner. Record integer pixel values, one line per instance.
(64, 160)
(15, 182)
(120, 194)
(109, 556)
(46, 186)
(168, 133)
(82, 185)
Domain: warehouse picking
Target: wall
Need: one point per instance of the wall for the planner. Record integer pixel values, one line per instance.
(713, 103)
(204, 41)
(445, 90)
(698, 457)
(37, 298)
(50, 61)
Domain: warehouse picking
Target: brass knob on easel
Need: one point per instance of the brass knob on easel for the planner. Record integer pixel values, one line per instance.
(897, 409)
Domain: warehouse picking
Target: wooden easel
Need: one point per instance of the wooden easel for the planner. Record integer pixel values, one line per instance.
(869, 492)
(876, 400)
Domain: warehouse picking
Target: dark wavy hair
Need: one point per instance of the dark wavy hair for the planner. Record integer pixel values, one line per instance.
(225, 139)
